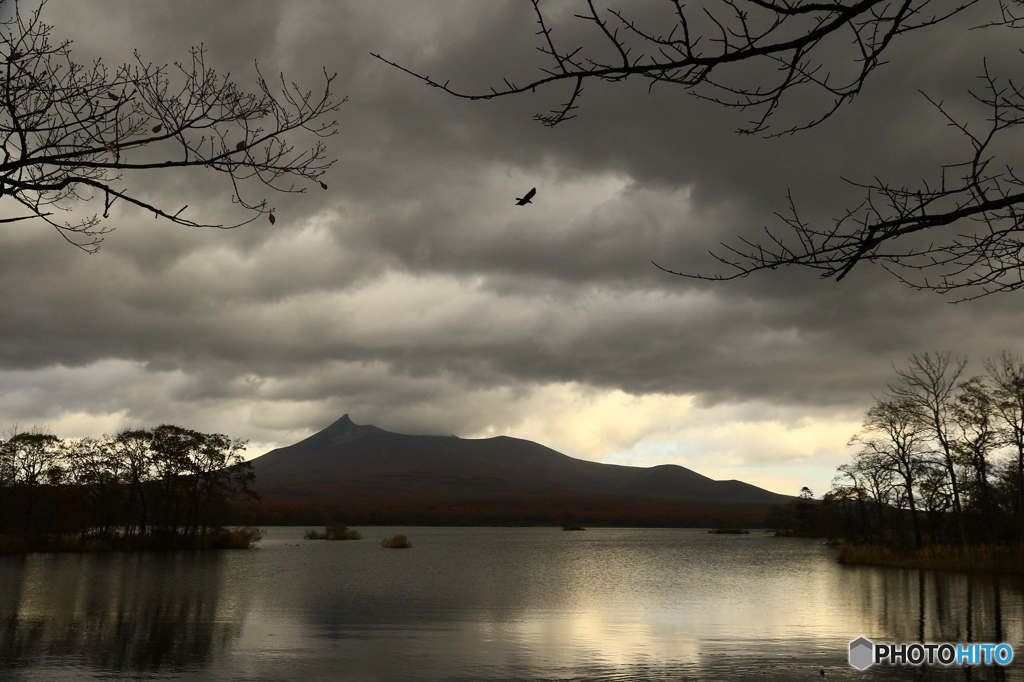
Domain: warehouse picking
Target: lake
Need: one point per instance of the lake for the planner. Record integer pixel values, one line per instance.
(489, 604)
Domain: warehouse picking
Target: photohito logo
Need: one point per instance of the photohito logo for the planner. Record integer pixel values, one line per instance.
(865, 653)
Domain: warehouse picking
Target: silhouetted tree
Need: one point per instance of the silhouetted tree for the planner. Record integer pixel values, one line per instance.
(35, 458)
(749, 55)
(1007, 377)
(877, 486)
(900, 473)
(70, 132)
(99, 476)
(927, 387)
(162, 487)
(802, 516)
(977, 422)
(892, 439)
(132, 448)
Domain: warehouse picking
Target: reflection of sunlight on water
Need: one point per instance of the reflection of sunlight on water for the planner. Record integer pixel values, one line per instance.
(595, 638)
(662, 600)
(612, 604)
(482, 604)
(276, 635)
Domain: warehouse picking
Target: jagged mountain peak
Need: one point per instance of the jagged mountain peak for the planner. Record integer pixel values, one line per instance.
(343, 424)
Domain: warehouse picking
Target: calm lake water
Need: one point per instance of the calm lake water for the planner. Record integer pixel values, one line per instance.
(488, 604)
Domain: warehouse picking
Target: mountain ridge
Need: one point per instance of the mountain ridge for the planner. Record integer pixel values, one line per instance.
(352, 467)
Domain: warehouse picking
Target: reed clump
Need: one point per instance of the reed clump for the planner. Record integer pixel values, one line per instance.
(334, 531)
(982, 557)
(396, 542)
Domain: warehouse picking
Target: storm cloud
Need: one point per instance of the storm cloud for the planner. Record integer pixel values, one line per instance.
(415, 295)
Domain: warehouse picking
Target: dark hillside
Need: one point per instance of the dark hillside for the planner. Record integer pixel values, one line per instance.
(366, 468)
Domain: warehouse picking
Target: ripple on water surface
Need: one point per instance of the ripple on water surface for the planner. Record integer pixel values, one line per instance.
(486, 604)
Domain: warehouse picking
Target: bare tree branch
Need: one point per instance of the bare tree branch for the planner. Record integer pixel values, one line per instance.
(973, 215)
(69, 132)
(696, 48)
(960, 232)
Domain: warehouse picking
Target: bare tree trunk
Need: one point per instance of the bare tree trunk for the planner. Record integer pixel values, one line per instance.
(928, 386)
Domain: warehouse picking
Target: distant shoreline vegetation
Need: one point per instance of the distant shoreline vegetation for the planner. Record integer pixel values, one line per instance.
(161, 488)
(937, 480)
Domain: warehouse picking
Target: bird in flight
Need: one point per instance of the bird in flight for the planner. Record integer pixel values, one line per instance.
(525, 199)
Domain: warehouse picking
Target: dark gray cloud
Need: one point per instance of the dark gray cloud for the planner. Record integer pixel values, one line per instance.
(414, 294)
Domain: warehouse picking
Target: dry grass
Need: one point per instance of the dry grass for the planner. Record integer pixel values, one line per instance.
(396, 542)
(987, 558)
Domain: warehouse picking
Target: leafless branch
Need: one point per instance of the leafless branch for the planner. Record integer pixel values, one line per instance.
(777, 39)
(70, 132)
(972, 214)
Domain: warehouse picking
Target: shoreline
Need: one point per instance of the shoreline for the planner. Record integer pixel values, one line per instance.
(225, 538)
(985, 558)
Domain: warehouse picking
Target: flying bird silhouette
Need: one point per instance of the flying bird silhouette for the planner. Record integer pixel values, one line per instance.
(525, 199)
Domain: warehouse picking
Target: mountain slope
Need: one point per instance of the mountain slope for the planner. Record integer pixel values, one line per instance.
(364, 465)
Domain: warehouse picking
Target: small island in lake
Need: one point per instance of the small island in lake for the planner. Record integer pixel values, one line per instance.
(569, 523)
(334, 531)
(162, 488)
(396, 542)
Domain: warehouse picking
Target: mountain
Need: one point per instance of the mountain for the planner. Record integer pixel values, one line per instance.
(364, 470)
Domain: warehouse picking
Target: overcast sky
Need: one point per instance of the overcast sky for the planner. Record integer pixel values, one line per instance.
(414, 295)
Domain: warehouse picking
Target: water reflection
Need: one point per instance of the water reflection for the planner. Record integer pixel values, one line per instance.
(488, 604)
(941, 606)
(133, 611)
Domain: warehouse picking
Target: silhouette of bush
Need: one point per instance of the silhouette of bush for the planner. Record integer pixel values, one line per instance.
(396, 542)
(238, 538)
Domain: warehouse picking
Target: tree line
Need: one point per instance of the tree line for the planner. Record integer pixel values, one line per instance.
(939, 460)
(146, 488)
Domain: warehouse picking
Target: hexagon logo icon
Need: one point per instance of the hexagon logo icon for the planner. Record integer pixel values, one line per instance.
(862, 652)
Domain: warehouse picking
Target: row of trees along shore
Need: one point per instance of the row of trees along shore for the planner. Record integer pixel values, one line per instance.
(937, 477)
(161, 488)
